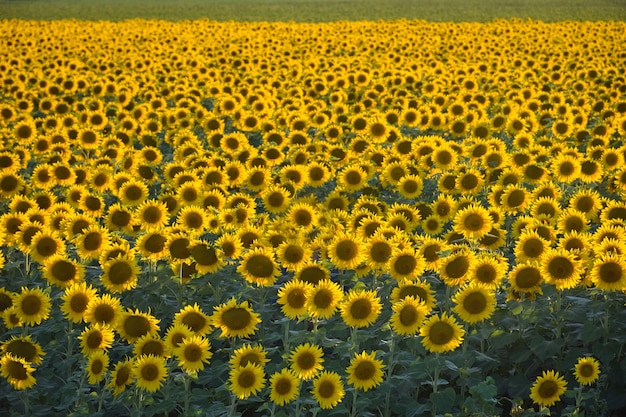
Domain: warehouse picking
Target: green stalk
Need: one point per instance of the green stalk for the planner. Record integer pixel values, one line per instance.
(388, 376)
(353, 412)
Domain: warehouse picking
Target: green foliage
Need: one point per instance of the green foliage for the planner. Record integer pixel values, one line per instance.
(315, 10)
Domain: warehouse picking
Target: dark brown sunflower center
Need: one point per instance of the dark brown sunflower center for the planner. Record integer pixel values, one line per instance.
(236, 318)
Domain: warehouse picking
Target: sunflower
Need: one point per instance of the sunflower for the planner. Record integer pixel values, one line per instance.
(360, 308)
(565, 168)
(276, 199)
(352, 178)
(587, 370)
(609, 272)
(257, 179)
(306, 360)
(470, 181)
(444, 157)
(561, 268)
(365, 371)
(42, 177)
(151, 345)
(150, 372)
(284, 387)
(526, 278)
(591, 171)
(249, 354)
(345, 251)
(545, 207)
(208, 259)
(258, 267)
(293, 254)
(120, 274)
(97, 366)
(32, 306)
(192, 353)
(151, 245)
(95, 338)
(134, 324)
(192, 218)
(17, 372)
(92, 241)
(514, 199)
(489, 269)
(454, 268)
(293, 176)
(473, 222)
(572, 220)
(75, 301)
(235, 320)
(121, 377)
(530, 246)
(119, 218)
(46, 244)
(405, 264)
(133, 192)
(151, 214)
(378, 251)
(90, 204)
(548, 388)
(23, 347)
(317, 174)
(324, 299)
(24, 237)
(103, 309)
(62, 271)
(441, 333)
(10, 184)
(474, 303)
(194, 319)
(292, 297)
(246, 380)
(303, 215)
(328, 389)
(408, 315)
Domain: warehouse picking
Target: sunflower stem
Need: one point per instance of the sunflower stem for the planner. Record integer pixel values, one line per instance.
(233, 406)
(70, 329)
(353, 412)
(557, 311)
(286, 335)
(186, 383)
(388, 376)
(26, 402)
(579, 397)
(299, 400)
(261, 310)
(354, 340)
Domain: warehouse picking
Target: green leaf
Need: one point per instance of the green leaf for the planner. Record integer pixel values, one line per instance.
(443, 400)
(591, 332)
(485, 391)
(499, 340)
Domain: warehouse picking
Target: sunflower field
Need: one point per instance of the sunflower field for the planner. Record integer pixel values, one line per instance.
(390, 218)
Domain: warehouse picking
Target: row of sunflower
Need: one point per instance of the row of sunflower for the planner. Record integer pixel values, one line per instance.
(208, 209)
